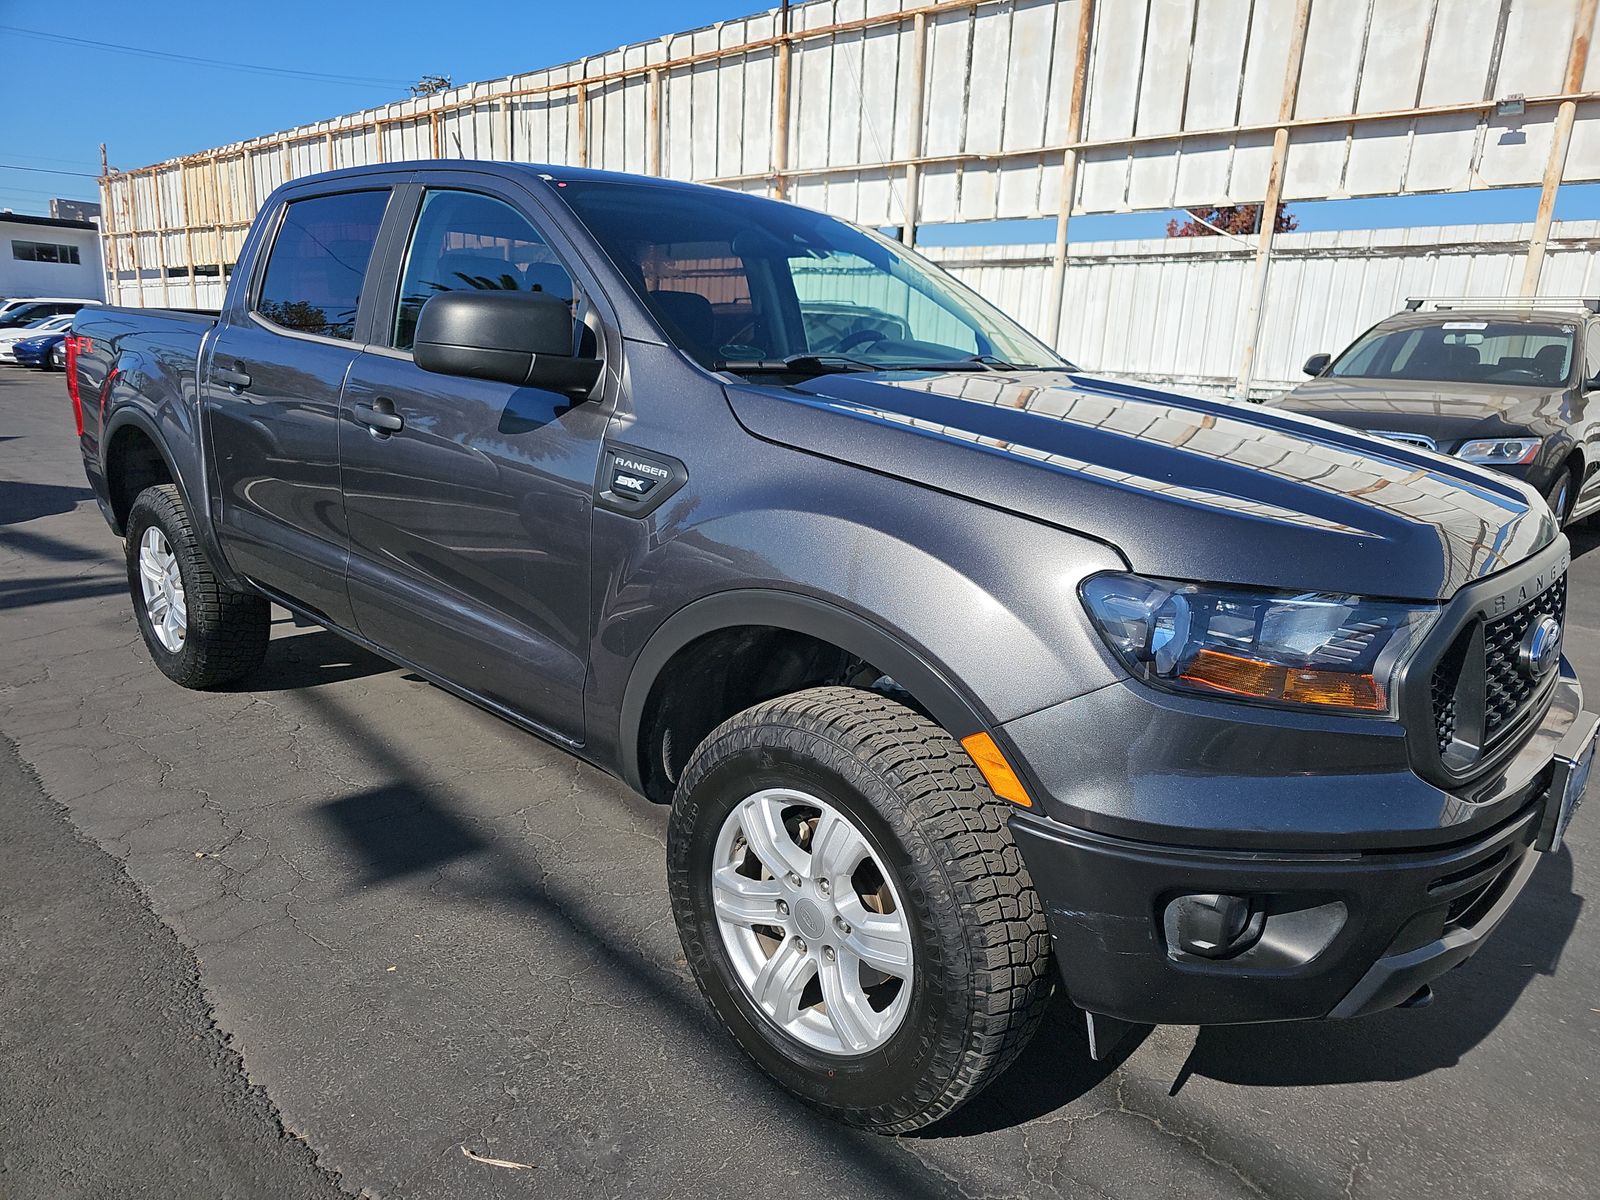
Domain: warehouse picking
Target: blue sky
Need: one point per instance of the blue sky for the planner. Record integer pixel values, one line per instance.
(149, 108)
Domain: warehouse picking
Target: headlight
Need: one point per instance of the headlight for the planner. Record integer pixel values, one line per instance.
(1288, 648)
(1501, 452)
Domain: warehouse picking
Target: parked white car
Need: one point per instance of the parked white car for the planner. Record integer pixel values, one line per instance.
(25, 309)
(10, 337)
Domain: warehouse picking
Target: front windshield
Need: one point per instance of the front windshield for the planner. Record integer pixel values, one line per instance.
(738, 281)
(1504, 352)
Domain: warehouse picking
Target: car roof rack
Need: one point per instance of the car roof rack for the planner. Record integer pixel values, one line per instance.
(1588, 303)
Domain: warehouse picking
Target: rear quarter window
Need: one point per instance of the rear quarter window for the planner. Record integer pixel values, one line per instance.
(318, 263)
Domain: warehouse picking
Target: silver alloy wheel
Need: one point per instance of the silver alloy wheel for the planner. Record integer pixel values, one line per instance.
(812, 922)
(162, 584)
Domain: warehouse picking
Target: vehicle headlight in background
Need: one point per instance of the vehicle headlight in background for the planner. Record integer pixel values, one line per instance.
(1501, 452)
(1310, 649)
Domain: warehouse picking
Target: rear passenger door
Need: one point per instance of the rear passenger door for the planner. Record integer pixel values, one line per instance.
(469, 522)
(272, 384)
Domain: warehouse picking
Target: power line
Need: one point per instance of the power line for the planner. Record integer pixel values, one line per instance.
(283, 72)
(48, 171)
(71, 162)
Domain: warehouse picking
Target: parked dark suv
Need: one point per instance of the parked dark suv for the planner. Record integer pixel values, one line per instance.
(1509, 384)
(964, 672)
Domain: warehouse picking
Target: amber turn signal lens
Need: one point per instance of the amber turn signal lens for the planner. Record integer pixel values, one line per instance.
(1273, 681)
(1002, 780)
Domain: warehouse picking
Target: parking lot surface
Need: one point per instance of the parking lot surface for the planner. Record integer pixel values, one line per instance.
(422, 938)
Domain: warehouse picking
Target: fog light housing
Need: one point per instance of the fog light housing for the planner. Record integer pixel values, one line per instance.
(1213, 924)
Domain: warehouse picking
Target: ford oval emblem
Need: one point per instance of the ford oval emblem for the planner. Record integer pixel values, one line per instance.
(1541, 648)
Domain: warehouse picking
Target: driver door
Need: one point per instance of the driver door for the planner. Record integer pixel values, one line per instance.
(469, 522)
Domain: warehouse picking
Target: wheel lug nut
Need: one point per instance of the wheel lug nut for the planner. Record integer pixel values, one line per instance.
(794, 880)
(800, 945)
(841, 926)
(822, 886)
(827, 953)
(783, 908)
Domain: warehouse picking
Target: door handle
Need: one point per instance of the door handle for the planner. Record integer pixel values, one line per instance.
(238, 380)
(381, 422)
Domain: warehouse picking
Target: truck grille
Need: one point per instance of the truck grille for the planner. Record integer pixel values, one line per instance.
(1506, 690)
(1444, 707)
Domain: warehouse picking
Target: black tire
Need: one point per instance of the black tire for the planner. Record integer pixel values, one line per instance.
(982, 972)
(226, 636)
(47, 360)
(1559, 495)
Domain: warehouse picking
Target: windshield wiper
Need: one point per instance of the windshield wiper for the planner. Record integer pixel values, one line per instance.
(975, 362)
(796, 364)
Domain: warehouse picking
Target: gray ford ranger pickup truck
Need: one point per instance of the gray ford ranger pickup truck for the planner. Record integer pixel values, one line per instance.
(966, 674)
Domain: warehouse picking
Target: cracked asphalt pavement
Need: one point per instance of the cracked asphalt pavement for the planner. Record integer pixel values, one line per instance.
(345, 931)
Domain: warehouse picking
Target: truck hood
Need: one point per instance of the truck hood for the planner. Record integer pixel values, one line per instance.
(1183, 487)
(1449, 413)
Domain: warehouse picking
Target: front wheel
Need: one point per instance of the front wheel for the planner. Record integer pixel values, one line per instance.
(851, 902)
(1559, 495)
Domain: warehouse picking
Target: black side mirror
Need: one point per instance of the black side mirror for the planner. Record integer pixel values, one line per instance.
(523, 338)
(1315, 365)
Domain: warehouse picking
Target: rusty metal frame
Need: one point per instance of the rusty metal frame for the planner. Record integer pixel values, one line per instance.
(1560, 142)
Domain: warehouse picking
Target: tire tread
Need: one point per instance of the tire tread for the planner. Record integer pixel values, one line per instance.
(1008, 978)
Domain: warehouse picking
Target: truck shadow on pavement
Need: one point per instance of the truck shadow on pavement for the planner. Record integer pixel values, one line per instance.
(401, 828)
(309, 659)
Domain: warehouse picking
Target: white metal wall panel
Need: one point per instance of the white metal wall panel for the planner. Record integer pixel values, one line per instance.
(1179, 104)
(1169, 309)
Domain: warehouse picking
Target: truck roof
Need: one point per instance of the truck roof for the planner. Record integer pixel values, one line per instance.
(554, 172)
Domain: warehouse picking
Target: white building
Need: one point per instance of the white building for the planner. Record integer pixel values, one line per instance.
(45, 256)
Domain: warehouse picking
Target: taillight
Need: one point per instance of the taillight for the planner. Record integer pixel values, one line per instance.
(72, 380)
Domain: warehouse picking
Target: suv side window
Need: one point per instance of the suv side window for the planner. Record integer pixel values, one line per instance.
(1591, 353)
(465, 240)
(318, 263)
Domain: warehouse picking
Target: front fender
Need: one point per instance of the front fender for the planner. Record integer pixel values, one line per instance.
(974, 611)
(958, 713)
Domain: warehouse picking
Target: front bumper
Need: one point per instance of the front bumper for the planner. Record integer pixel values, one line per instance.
(1339, 930)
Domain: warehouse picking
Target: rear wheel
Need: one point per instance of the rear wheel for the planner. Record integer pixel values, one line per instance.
(851, 902)
(200, 633)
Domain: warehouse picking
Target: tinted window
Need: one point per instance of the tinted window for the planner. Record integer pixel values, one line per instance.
(464, 241)
(734, 278)
(46, 252)
(1464, 351)
(318, 262)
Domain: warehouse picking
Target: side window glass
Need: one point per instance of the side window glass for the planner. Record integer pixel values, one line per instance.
(318, 263)
(1591, 352)
(463, 241)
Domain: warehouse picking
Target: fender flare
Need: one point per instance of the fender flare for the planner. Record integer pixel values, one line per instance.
(856, 635)
(199, 515)
(120, 420)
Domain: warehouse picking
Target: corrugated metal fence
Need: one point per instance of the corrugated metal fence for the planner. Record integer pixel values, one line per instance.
(1172, 309)
(904, 112)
